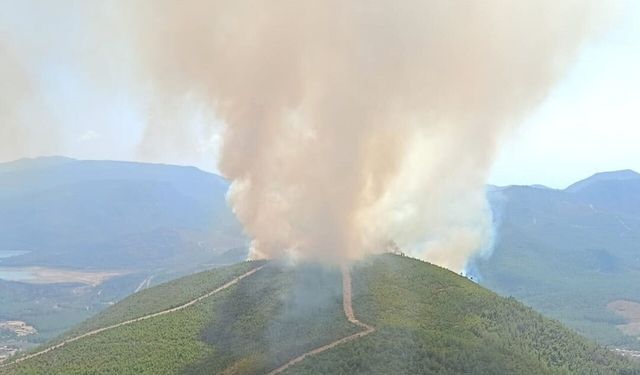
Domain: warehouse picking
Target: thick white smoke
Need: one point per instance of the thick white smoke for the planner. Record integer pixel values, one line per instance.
(355, 123)
(350, 124)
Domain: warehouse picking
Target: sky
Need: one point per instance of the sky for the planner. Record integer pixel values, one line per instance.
(589, 122)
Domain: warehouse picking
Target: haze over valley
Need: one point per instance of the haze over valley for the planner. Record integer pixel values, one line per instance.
(586, 233)
(77, 236)
(277, 187)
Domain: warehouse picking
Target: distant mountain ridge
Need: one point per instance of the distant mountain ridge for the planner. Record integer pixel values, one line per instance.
(152, 218)
(74, 210)
(146, 222)
(30, 163)
(46, 172)
(569, 253)
(621, 175)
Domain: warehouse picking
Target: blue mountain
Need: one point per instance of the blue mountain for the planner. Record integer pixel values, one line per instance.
(81, 213)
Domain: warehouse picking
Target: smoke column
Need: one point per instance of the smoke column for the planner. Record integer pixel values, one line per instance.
(26, 126)
(347, 124)
(350, 124)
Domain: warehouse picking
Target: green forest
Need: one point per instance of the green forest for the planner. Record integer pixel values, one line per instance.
(428, 321)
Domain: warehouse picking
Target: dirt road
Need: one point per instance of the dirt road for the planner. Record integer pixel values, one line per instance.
(348, 311)
(139, 319)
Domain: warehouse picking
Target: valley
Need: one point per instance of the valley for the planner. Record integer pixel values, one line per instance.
(78, 236)
(53, 290)
(569, 253)
(361, 187)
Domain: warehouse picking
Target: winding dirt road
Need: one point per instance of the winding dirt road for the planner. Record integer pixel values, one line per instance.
(139, 319)
(348, 311)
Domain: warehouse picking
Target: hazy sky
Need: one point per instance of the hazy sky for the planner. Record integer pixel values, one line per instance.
(590, 121)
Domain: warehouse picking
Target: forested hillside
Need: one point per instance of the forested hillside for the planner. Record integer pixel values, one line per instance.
(428, 320)
(570, 253)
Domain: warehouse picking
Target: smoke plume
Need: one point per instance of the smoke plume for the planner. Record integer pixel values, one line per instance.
(350, 125)
(25, 125)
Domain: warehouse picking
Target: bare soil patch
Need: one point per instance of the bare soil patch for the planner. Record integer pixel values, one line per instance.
(630, 311)
(44, 275)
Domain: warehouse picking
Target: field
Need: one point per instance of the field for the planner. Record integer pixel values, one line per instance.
(44, 275)
(630, 311)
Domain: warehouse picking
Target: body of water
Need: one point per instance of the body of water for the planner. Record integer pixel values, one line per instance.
(16, 275)
(11, 253)
(9, 274)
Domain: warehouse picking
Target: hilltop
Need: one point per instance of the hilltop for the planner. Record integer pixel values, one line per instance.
(427, 320)
(603, 177)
